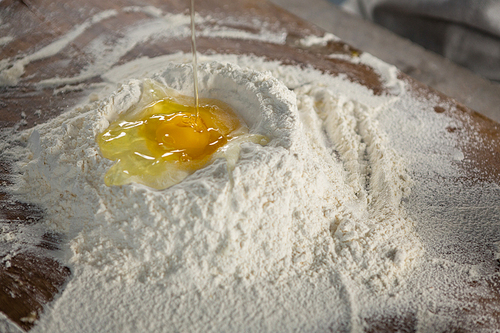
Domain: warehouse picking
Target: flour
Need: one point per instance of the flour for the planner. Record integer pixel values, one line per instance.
(291, 207)
(388, 73)
(315, 40)
(163, 25)
(319, 199)
(309, 233)
(5, 40)
(10, 72)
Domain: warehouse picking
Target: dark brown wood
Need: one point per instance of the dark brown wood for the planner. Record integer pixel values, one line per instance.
(35, 276)
(28, 284)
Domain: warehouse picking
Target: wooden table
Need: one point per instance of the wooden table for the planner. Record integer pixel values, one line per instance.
(35, 276)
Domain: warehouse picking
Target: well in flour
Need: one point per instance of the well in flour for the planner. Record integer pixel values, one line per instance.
(166, 137)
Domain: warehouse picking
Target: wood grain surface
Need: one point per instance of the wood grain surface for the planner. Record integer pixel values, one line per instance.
(35, 276)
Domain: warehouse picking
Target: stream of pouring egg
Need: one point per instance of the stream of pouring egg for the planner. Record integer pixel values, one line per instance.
(195, 61)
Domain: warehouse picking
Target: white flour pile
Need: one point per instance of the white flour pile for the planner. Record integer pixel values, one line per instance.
(307, 233)
(322, 199)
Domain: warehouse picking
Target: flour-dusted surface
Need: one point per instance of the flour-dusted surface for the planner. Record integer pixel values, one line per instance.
(322, 229)
(320, 205)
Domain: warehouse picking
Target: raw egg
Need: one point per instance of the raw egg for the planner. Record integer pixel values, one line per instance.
(168, 139)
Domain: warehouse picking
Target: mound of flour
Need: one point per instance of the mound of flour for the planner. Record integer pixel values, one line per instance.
(324, 195)
(296, 238)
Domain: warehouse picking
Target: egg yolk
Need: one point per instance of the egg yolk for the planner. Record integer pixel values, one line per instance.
(167, 140)
(183, 134)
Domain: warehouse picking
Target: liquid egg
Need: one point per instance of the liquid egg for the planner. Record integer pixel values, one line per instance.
(170, 139)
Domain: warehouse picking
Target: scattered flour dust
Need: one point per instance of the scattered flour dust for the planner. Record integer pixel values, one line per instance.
(297, 237)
